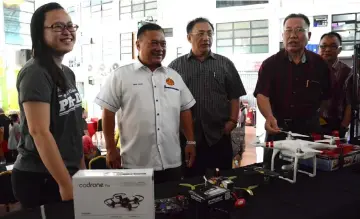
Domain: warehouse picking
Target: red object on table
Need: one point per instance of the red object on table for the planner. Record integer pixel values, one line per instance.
(336, 134)
(91, 128)
(316, 136)
(250, 116)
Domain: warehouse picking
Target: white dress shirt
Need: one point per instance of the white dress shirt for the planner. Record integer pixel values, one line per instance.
(151, 103)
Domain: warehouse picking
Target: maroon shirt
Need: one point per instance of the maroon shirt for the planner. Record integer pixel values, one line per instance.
(295, 90)
(341, 96)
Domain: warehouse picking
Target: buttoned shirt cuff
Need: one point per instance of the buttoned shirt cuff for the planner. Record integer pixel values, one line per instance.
(188, 105)
(105, 105)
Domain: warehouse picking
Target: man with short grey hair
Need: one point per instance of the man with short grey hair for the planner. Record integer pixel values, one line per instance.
(217, 87)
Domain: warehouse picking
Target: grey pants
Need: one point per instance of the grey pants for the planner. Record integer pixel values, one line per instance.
(238, 140)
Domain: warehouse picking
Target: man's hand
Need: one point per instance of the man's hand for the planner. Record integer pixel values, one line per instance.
(271, 125)
(238, 159)
(229, 126)
(113, 159)
(190, 154)
(66, 191)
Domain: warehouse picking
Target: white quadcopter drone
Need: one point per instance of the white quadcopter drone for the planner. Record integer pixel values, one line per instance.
(295, 149)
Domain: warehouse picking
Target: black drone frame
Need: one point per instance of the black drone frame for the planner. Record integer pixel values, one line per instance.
(121, 200)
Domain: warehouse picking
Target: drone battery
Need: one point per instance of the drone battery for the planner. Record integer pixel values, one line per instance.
(203, 199)
(109, 194)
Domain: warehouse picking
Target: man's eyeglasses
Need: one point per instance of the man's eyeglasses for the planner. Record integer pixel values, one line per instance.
(297, 31)
(331, 47)
(210, 34)
(60, 27)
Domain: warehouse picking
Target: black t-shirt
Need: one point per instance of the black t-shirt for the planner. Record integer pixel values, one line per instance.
(35, 84)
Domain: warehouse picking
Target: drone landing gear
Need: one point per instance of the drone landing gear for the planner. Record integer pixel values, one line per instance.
(296, 170)
(313, 174)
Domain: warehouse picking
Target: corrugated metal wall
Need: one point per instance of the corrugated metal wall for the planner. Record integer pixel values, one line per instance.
(249, 80)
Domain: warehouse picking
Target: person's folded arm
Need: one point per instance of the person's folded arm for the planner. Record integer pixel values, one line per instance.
(263, 87)
(235, 89)
(186, 123)
(108, 124)
(262, 93)
(38, 120)
(264, 105)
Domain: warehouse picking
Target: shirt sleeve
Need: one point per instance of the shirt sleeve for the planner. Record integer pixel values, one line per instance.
(34, 85)
(263, 84)
(109, 96)
(173, 65)
(187, 99)
(234, 85)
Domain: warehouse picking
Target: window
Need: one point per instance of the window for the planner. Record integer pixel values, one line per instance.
(126, 46)
(168, 32)
(17, 22)
(348, 26)
(232, 3)
(108, 48)
(137, 9)
(178, 52)
(96, 9)
(242, 37)
(80, 87)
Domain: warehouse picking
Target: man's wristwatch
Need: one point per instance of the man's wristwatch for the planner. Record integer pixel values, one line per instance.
(190, 142)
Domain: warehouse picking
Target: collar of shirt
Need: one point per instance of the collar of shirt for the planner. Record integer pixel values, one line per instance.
(336, 64)
(139, 65)
(211, 55)
(303, 57)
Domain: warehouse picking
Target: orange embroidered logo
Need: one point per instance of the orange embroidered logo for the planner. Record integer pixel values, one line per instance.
(170, 82)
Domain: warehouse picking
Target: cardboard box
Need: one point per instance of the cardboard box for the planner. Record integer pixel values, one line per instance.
(114, 194)
(329, 160)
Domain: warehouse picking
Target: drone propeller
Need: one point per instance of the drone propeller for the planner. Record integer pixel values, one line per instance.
(295, 134)
(331, 140)
(318, 144)
(333, 137)
(310, 150)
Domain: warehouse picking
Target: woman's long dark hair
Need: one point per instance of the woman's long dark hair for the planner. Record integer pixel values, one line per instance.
(41, 51)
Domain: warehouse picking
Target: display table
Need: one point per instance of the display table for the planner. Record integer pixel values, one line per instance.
(330, 195)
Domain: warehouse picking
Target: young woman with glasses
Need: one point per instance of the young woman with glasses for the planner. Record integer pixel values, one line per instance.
(50, 147)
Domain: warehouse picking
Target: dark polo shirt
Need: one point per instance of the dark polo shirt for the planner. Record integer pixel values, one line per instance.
(295, 90)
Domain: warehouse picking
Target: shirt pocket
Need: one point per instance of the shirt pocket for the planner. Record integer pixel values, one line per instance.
(172, 96)
(218, 79)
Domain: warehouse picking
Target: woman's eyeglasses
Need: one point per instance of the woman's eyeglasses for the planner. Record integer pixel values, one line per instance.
(60, 27)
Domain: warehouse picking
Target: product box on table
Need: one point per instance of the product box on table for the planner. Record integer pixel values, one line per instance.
(114, 194)
(330, 159)
(203, 198)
